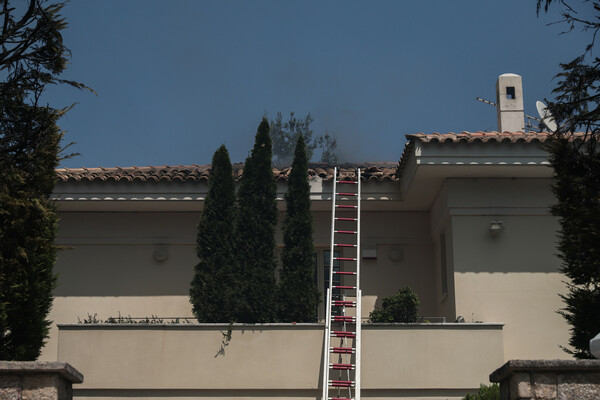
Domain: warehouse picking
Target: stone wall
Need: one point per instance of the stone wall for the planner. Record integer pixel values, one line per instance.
(30, 380)
(548, 379)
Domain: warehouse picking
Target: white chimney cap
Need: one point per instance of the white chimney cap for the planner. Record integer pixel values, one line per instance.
(510, 74)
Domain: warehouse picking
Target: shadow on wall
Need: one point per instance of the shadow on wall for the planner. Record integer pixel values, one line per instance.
(125, 270)
(524, 244)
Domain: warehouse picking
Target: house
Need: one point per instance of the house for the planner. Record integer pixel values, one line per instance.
(463, 219)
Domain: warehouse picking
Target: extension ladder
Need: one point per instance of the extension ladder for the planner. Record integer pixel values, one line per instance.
(341, 365)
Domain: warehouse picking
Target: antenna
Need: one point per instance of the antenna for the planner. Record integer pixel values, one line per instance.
(486, 101)
(546, 116)
(528, 124)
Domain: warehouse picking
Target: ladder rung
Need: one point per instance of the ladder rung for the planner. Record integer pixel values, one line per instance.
(344, 334)
(343, 318)
(342, 350)
(343, 329)
(336, 383)
(341, 366)
(344, 303)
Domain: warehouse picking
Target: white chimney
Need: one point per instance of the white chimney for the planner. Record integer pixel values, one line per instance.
(509, 103)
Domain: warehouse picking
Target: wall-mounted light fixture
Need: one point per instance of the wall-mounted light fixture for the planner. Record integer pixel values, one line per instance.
(496, 227)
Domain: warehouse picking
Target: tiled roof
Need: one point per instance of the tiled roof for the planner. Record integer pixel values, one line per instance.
(139, 174)
(382, 171)
(483, 137)
(471, 137)
(197, 173)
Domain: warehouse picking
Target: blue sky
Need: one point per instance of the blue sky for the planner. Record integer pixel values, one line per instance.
(177, 79)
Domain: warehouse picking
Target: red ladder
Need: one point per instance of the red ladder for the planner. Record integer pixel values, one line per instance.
(341, 365)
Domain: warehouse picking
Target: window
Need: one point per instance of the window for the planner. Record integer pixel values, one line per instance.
(322, 260)
(510, 92)
(336, 278)
(444, 268)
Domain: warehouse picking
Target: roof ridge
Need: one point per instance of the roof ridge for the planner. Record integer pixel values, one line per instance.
(380, 171)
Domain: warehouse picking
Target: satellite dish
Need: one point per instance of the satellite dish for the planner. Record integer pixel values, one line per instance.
(546, 116)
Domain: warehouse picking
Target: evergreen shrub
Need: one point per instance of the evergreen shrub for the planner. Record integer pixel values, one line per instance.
(401, 307)
(215, 289)
(298, 293)
(485, 393)
(255, 233)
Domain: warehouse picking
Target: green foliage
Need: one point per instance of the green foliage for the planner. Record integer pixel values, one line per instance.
(485, 393)
(328, 143)
(27, 252)
(120, 319)
(285, 136)
(577, 190)
(255, 232)
(402, 307)
(576, 164)
(32, 56)
(581, 312)
(215, 289)
(298, 294)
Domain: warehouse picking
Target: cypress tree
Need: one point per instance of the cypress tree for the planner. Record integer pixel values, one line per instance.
(215, 289)
(32, 56)
(298, 293)
(576, 163)
(255, 232)
(28, 225)
(577, 190)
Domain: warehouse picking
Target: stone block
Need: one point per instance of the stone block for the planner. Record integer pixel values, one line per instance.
(10, 387)
(544, 386)
(40, 387)
(579, 386)
(32, 380)
(520, 386)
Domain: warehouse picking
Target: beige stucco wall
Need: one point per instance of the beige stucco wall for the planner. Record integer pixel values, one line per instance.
(513, 276)
(406, 233)
(277, 361)
(107, 266)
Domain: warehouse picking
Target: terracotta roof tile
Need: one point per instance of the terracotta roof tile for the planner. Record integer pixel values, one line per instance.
(471, 137)
(378, 172)
(483, 137)
(199, 173)
(136, 174)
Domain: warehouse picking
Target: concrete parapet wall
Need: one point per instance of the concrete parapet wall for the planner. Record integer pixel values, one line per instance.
(276, 360)
(549, 379)
(30, 380)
